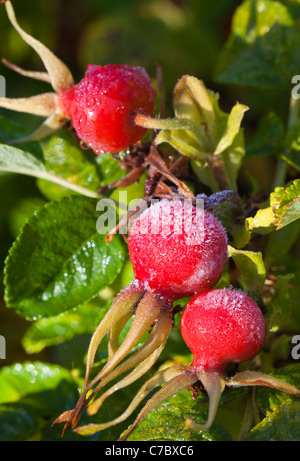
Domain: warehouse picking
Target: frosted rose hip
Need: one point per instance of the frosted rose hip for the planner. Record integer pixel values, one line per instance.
(220, 327)
(177, 249)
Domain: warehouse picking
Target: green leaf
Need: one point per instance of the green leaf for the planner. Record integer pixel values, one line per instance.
(60, 165)
(17, 161)
(268, 137)
(262, 223)
(204, 174)
(109, 169)
(184, 141)
(262, 50)
(16, 381)
(202, 131)
(64, 158)
(292, 155)
(289, 206)
(54, 330)
(192, 101)
(59, 260)
(279, 306)
(232, 158)
(293, 6)
(281, 410)
(32, 394)
(280, 426)
(280, 242)
(232, 129)
(252, 268)
(11, 131)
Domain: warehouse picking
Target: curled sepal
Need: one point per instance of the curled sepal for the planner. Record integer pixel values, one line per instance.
(59, 74)
(113, 335)
(175, 379)
(50, 125)
(123, 304)
(148, 310)
(214, 385)
(134, 375)
(42, 104)
(257, 378)
(153, 312)
(43, 76)
(155, 342)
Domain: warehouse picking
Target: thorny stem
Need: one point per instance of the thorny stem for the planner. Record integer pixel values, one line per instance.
(190, 125)
(216, 165)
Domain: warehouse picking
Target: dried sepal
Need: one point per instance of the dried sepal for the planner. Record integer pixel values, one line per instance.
(134, 375)
(123, 304)
(42, 76)
(155, 342)
(257, 378)
(156, 161)
(175, 379)
(59, 74)
(47, 104)
(147, 311)
(42, 104)
(214, 385)
(152, 314)
(113, 335)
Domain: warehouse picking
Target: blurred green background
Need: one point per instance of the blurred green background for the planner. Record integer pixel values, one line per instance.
(183, 37)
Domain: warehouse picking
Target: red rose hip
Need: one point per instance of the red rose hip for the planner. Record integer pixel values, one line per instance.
(220, 327)
(177, 249)
(102, 106)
